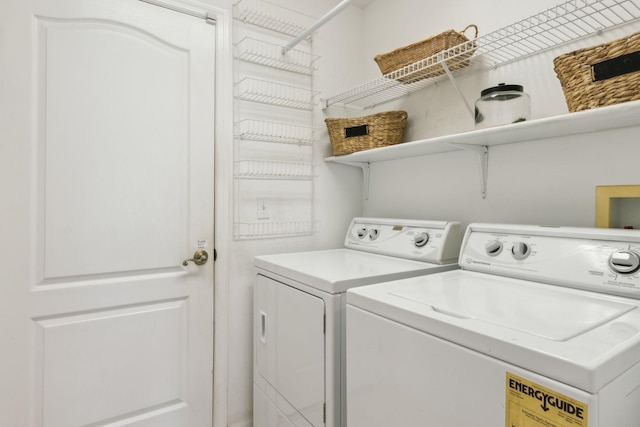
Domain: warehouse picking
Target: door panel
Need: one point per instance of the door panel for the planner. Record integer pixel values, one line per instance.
(149, 375)
(121, 192)
(113, 99)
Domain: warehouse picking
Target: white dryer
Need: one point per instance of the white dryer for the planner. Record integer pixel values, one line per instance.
(539, 328)
(299, 305)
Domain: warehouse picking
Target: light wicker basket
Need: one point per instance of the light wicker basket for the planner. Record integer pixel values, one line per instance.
(601, 75)
(349, 135)
(423, 49)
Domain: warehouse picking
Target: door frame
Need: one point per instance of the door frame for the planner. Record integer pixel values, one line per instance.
(222, 12)
(223, 202)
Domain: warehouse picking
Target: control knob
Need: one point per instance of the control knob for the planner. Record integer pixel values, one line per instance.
(421, 239)
(493, 248)
(624, 262)
(520, 250)
(361, 232)
(374, 233)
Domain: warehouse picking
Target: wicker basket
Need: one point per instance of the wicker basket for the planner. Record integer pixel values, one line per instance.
(407, 55)
(363, 133)
(601, 75)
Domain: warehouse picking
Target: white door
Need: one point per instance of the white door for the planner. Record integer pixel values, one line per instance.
(106, 326)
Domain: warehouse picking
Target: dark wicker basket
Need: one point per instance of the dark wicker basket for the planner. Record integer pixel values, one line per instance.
(349, 135)
(601, 75)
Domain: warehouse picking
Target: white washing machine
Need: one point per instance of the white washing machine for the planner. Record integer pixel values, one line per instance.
(299, 305)
(539, 328)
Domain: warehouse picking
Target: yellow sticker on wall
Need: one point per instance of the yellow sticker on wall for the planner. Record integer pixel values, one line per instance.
(530, 405)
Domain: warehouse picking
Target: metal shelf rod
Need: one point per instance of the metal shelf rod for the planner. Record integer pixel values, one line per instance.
(319, 23)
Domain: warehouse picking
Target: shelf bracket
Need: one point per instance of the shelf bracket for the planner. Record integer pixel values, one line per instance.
(442, 61)
(365, 174)
(483, 157)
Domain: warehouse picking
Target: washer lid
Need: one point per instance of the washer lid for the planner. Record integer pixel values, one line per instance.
(336, 270)
(543, 312)
(578, 337)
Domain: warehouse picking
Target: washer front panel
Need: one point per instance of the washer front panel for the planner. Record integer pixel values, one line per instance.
(474, 310)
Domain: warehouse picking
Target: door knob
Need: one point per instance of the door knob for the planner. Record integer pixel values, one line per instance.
(200, 257)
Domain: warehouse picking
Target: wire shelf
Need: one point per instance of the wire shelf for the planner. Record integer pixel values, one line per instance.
(261, 91)
(268, 169)
(262, 17)
(258, 130)
(567, 22)
(270, 55)
(256, 230)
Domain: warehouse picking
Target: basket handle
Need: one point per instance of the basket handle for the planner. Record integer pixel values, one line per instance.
(474, 26)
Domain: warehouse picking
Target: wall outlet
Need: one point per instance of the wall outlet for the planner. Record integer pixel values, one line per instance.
(264, 209)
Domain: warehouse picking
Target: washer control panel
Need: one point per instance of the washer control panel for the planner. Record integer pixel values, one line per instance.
(430, 241)
(602, 260)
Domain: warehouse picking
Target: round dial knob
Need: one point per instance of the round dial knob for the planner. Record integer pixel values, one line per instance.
(421, 239)
(520, 250)
(624, 262)
(361, 233)
(374, 233)
(493, 248)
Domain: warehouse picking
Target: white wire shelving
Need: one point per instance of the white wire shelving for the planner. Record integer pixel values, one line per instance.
(274, 170)
(262, 16)
(263, 230)
(272, 93)
(285, 133)
(564, 23)
(270, 55)
(262, 208)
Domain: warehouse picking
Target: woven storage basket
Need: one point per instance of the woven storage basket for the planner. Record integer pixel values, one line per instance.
(362, 133)
(592, 77)
(407, 55)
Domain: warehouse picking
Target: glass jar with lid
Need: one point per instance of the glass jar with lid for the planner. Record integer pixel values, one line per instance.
(501, 105)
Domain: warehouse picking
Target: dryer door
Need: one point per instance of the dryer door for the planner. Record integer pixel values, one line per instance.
(290, 348)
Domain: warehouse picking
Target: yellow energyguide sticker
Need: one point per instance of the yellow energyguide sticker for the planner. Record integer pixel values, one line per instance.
(531, 405)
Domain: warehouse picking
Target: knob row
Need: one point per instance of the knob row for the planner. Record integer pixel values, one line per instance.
(373, 233)
(519, 251)
(419, 240)
(622, 262)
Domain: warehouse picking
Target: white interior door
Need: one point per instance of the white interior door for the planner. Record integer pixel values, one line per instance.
(120, 192)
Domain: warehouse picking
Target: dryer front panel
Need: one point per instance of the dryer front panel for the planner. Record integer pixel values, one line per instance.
(289, 347)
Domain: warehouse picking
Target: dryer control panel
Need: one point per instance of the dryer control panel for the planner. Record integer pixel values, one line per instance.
(601, 260)
(430, 241)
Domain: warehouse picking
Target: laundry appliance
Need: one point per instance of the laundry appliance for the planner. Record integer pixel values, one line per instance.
(299, 307)
(539, 327)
